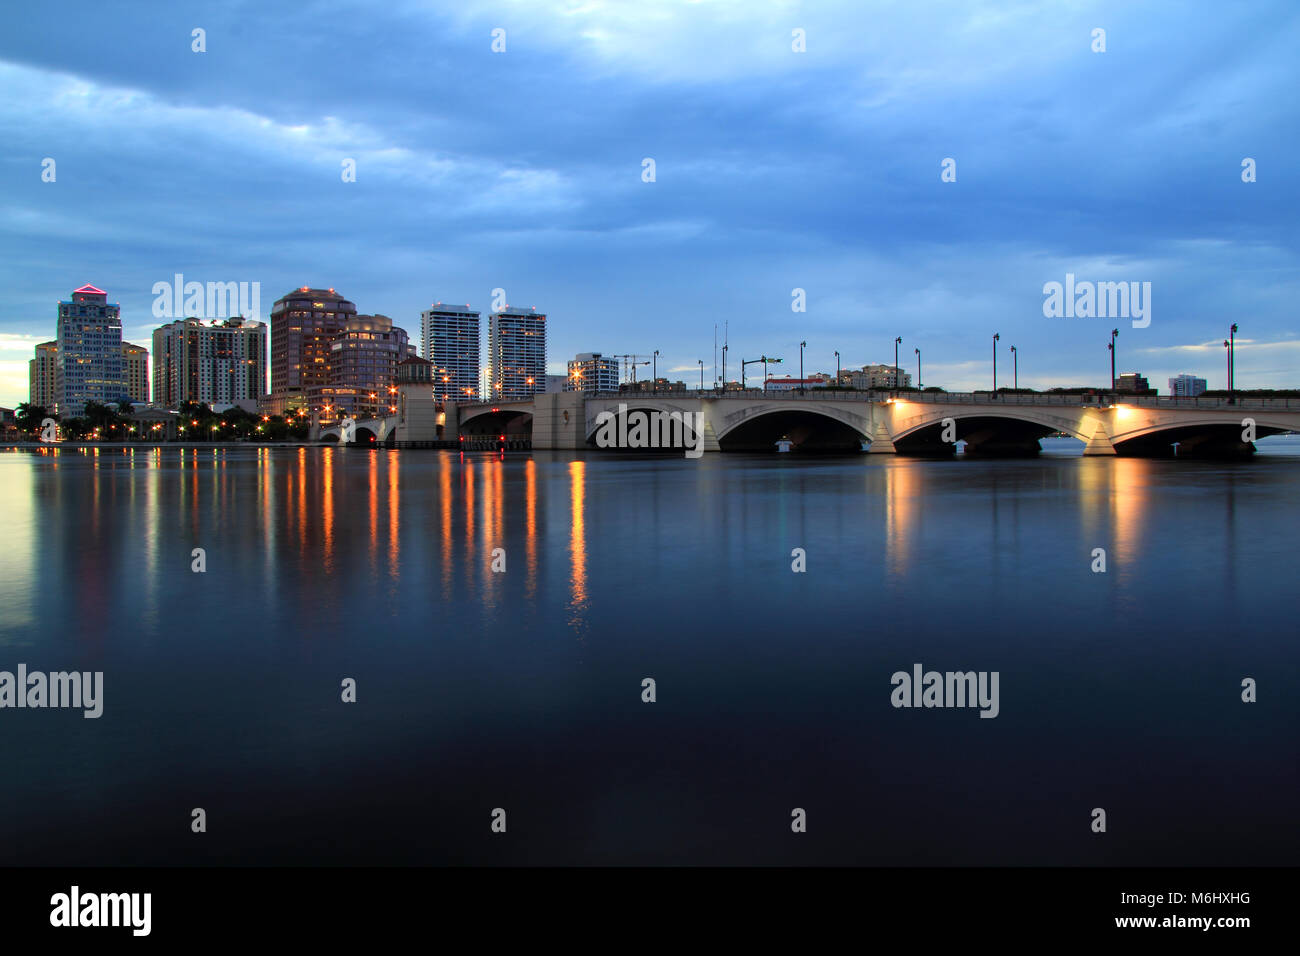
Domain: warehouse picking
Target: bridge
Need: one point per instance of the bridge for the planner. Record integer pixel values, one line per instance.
(368, 431)
(909, 423)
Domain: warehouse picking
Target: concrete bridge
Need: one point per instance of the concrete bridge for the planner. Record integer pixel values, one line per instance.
(914, 423)
(368, 431)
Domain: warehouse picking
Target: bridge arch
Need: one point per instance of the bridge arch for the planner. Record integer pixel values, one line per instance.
(513, 421)
(811, 426)
(986, 429)
(1194, 435)
(637, 404)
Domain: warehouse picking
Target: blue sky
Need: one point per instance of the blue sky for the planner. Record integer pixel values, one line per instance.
(775, 170)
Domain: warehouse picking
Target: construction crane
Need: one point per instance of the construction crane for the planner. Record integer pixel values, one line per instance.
(629, 366)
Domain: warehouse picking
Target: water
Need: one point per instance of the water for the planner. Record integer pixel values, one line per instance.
(522, 690)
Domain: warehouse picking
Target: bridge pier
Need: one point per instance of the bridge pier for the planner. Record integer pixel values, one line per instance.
(1099, 443)
(881, 441)
(560, 421)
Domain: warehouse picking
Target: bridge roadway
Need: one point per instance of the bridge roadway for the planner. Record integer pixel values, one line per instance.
(921, 423)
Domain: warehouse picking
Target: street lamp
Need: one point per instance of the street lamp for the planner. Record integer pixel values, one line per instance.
(996, 338)
(654, 372)
(701, 361)
(897, 340)
(918, 368)
(1113, 333)
(837, 369)
(1232, 361)
(724, 368)
(1227, 348)
(802, 346)
(1015, 365)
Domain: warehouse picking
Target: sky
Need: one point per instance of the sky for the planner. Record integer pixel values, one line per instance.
(775, 169)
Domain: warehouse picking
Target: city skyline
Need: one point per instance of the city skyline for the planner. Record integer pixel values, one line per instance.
(462, 324)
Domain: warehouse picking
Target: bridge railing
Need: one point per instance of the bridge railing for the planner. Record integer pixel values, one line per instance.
(1099, 399)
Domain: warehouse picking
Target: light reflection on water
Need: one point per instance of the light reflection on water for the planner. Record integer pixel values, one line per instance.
(378, 564)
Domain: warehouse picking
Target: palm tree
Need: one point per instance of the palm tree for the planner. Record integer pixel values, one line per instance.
(101, 417)
(28, 417)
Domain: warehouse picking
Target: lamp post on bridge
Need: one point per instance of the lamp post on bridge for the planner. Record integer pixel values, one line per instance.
(1015, 369)
(996, 339)
(918, 369)
(701, 361)
(1227, 349)
(802, 346)
(897, 340)
(723, 383)
(1232, 362)
(654, 372)
(1113, 333)
(837, 369)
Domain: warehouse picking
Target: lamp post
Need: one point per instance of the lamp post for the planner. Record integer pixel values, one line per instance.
(1227, 350)
(837, 369)
(1015, 373)
(1113, 333)
(802, 346)
(701, 361)
(897, 340)
(996, 339)
(724, 368)
(654, 372)
(1232, 362)
(918, 368)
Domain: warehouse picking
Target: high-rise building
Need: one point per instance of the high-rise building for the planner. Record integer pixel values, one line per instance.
(304, 323)
(516, 353)
(363, 361)
(41, 374)
(135, 370)
(592, 372)
(449, 336)
(1182, 386)
(89, 361)
(217, 363)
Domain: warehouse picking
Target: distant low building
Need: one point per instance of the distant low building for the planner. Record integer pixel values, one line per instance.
(656, 385)
(1133, 383)
(876, 377)
(1186, 386)
(788, 384)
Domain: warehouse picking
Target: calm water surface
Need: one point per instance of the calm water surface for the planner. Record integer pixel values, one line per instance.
(522, 690)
